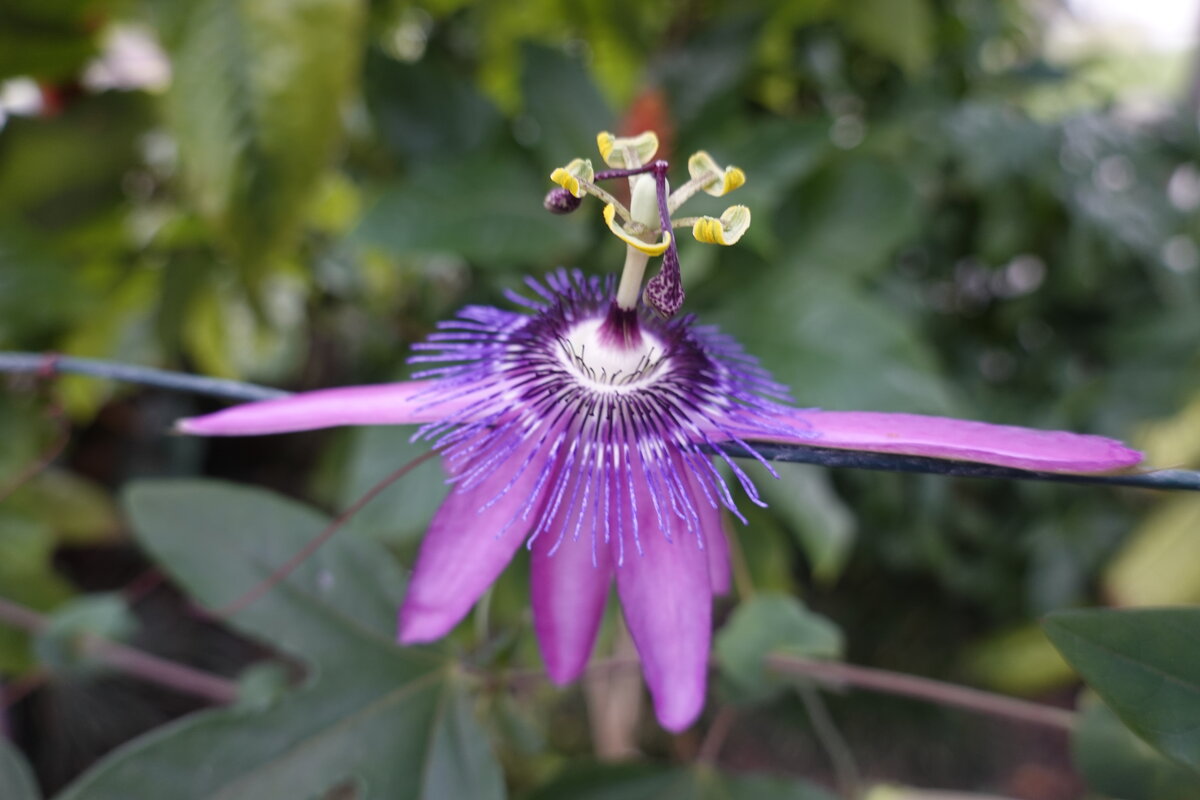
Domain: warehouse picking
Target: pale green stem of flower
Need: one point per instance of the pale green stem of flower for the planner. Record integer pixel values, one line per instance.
(685, 192)
(609, 199)
(643, 210)
(685, 222)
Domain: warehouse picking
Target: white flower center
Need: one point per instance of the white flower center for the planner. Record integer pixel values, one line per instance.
(602, 366)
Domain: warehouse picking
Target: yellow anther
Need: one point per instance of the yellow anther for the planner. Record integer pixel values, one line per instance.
(721, 180)
(655, 249)
(618, 150)
(568, 177)
(726, 230)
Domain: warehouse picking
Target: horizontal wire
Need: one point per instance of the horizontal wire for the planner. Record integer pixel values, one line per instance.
(50, 363)
(1167, 479)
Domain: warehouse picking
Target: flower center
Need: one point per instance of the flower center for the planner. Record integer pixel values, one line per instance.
(591, 355)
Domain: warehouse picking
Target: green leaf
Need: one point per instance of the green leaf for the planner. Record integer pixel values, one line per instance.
(823, 525)
(255, 105)
(768, 624)
(399, 722)
(564, 105)
(898, 30)
(851, 217)
(77, 509)
(231, 337)
(16, 778)
(57, 172)
(1145, 664)
(1159, 562)
(1116, 763)
(837, 345)
(425, 109)
(655, 782)
(58, 645)
(27, 576)
(1018, 660)
(48, 39)
(487, 210)
(403, 511)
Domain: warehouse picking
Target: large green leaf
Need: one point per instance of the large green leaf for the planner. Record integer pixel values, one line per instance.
(768, 624)
(1119, 764)
(402, 512)
(398, 722)
(564, 105)
(835, 344)
(652, 782)
(850, 217)
(488, 210)
(1145, 664)
(16, 778)
(823, 525)
(427, 109)
(899, 30)
(254, 105)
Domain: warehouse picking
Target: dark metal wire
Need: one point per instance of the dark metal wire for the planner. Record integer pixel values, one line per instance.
(1170, 479)
(1167, 479)
(50, 363)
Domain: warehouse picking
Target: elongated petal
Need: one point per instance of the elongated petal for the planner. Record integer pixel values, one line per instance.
(667, 600)
(470, 541)
(940, 437)
(382, 404)
(716, 543)
(569, 580)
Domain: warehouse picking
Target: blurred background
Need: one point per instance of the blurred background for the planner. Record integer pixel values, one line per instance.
(977, 208)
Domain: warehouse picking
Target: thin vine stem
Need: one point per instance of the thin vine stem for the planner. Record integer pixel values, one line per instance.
(841, 757)
(128, 660)
(835, 673)
(1166, 479)
(300, 556)
(839, 675)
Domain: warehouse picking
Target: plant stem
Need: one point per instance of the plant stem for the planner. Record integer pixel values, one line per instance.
(149, 668)
(62, 435)
(832, 673)
(849, 781)
(716, 735)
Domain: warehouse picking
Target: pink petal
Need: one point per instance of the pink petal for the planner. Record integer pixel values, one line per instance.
(667, 600)
(470, 541)
(940, 437)
(569, 585)
(381, 404)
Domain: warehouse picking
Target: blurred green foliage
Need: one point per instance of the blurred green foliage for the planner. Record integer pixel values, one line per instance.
(939, 227)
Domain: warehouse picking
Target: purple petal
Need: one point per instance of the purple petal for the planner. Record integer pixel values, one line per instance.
(667, 600)
(569, 585)
(940, 437)
(470, 541)
(381, 404)
(716, 543)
